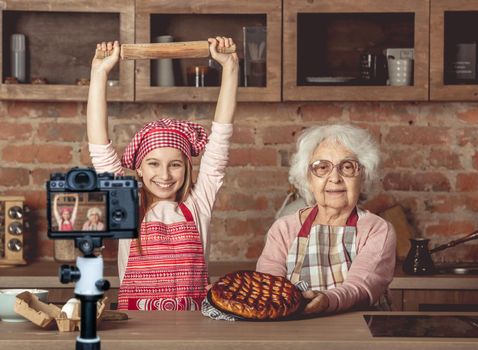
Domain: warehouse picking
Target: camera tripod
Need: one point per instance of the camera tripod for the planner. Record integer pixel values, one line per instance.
(89, 288)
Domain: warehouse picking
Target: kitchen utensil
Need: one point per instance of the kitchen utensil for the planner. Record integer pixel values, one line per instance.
(163, 74)
(197, 76)
(419, 260)
(471, 236)
(17, 57)
(12, 227)
(397, 217)
(373, 69)
(153, 51)
(400, 71)
(7, 302)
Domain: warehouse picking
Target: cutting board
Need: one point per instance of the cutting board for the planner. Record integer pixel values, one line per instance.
(109, 315)
(396, 216)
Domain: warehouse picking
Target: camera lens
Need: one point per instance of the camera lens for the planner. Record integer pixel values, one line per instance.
(118, 215)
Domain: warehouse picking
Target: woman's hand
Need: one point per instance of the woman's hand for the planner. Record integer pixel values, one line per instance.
(318, 302)
(224, 59)
(106, 57)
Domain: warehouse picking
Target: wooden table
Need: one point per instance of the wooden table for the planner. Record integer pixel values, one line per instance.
(190, 330)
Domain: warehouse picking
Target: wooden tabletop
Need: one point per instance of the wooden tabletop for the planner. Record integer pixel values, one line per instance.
(190, 330)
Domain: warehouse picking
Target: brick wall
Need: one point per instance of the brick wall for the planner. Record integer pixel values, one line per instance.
(430, 163)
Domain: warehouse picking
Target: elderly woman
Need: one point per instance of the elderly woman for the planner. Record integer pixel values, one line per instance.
(94, 222)
(344, 253)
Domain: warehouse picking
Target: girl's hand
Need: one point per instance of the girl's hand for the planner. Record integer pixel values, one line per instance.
(318, 302)
(224, 59)
(106, 57)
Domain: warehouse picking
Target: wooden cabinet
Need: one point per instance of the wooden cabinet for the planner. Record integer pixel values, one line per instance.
(61, 37)
(453, 28)
(198, 20)
(441, 292)
(314, 48)
(323, 41)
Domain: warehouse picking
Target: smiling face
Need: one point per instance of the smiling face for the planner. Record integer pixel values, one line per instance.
(65, 215)
(163, 172)
(94, 218)
(334, 191)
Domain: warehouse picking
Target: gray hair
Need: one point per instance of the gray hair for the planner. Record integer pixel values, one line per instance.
(357, 140)
(94, 210)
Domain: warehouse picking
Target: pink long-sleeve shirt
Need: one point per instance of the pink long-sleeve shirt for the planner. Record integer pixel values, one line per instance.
(370, 273)
(201, 199)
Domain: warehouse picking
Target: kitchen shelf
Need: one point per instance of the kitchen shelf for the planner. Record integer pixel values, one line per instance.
(325, 39)
(63, 56)
(188, 21)
(451, 22)
(320, 42)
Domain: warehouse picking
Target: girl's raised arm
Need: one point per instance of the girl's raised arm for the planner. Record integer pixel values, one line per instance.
(56, 212)
(75, 208)
(106, 57)
(226, 103)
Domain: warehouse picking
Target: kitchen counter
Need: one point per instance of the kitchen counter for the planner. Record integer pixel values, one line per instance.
(45, 275)
(190, 330)
(438, 292)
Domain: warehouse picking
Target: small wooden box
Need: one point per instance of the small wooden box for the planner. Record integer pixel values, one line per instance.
(12, 229)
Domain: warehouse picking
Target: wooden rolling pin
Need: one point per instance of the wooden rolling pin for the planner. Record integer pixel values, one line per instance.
(185, 49)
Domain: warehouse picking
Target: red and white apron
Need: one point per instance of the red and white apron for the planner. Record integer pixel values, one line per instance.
(66, 226)
(321, 255)
(171, 273)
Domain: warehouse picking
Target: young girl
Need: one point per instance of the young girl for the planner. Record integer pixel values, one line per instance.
(165, 268)
(66, 216)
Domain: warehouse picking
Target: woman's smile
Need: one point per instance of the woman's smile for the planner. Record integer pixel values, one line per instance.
(337, 192)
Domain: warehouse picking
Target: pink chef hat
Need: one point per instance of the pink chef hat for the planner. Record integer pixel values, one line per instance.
(190, 138)
(66, 209)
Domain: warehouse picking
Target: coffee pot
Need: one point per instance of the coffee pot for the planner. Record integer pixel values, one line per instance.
(419, 260)
(373, 69)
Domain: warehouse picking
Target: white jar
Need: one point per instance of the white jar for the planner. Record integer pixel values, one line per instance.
(18, 57)
(163, 73)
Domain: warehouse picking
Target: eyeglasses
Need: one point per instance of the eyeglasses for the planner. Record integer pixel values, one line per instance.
(347, 168)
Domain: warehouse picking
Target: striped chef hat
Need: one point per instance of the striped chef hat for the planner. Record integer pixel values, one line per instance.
(190, 138)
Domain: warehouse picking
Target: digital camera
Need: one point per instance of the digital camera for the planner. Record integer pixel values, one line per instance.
(83, 203)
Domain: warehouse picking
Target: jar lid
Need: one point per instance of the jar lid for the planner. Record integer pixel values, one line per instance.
(18, 42)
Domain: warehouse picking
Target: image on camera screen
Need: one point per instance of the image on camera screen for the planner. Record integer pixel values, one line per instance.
(78, 211)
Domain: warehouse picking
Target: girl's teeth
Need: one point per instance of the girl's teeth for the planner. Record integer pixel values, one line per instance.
(163, 185)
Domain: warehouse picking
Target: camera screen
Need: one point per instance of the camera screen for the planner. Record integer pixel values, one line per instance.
(78, 211)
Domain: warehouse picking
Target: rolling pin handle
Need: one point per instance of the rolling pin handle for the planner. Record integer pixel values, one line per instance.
(230, 49)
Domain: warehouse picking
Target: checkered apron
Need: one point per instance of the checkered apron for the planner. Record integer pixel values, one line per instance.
(171, 273)
(322, 255)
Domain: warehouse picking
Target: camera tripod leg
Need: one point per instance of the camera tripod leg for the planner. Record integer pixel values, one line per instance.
(88, 340)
